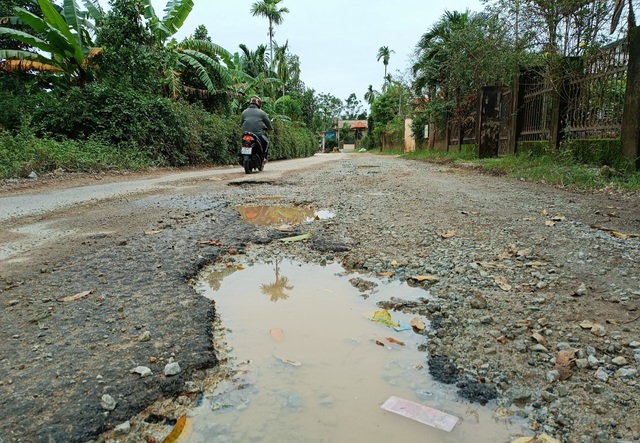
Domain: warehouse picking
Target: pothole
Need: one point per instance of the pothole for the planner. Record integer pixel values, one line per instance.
(301, 360)
(262, 215)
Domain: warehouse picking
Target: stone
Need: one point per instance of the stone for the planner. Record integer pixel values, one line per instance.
(142, 370)
(626, 373)
(582, 363)
(553, 376)
(172, 369)
(582, 290)
(108, 403)
(602, 375)
(619, 361)
(145, 336)
(598, 330)
(123, 428)
(32, 175)
(634, 344)
(538, 348)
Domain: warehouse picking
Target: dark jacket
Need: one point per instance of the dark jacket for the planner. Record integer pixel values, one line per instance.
(255, 120)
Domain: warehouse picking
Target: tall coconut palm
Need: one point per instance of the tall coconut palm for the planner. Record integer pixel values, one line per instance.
(384, 53)
(270, 10)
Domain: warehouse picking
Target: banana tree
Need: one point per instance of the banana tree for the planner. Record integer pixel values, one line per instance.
(64, 34)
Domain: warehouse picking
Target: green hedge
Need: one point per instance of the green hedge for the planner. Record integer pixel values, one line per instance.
(51, 130)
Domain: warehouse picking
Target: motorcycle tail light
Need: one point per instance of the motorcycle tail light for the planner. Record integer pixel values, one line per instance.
(247, 138)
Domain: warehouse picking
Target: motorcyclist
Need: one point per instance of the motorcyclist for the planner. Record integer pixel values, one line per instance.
(255, 120)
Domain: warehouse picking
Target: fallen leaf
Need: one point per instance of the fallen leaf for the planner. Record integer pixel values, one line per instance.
(240, 268)
(277, 334)
(549, 223)
(181, 425)
(524, 252)
(296, 238)
(417, 325)
(210, 242)
(75, 297)
(393, 340)
(529, 219)
(386, 274)
(503, 283)
(539, 338)
(423, 278)
(384, 318)
(502, 339)
(620, 235)
(152, 232)
(285, 228)
(564, 361)
(448, 234)
(379, 343)
(545, 212)
(586, 324)
(394, 263)
(544, 438)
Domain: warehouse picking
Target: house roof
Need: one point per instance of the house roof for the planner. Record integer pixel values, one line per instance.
(359, 125)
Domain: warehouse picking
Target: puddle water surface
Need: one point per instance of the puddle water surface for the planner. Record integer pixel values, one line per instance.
(272, 215)
(303, 363)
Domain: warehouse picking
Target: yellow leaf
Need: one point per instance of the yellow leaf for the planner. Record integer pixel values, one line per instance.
(151, 232)
(620, 235)
(181, 431)
(448, 234)
(422, 278)
(385, 274)
(384, 318)
(240, 268)
(545, 212)
(75, 297)
(503, 283)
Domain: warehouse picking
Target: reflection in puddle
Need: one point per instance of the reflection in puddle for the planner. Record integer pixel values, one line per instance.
(303, 363)
(271, 215)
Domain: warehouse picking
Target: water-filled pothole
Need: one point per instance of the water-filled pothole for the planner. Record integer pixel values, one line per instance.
(264, 215)
(304, 363)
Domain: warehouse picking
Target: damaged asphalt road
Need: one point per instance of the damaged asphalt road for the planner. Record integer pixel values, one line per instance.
(519, 266)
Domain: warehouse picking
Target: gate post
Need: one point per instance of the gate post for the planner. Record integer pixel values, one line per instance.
(488, 121)
(630, 131)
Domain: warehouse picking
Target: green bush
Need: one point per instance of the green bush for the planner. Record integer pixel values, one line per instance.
(600, 152)
(23, 152)
(290, 140)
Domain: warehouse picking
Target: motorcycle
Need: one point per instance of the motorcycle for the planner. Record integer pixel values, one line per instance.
(251, 153)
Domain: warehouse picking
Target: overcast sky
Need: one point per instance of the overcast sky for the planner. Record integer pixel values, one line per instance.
(337, 40)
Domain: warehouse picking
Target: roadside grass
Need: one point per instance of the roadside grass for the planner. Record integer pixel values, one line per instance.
(558, 169)
(23, 152)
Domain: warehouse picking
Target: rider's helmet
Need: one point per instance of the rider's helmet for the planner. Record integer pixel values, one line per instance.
(255, 100)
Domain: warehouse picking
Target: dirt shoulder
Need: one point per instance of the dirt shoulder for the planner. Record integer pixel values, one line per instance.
(520, 267)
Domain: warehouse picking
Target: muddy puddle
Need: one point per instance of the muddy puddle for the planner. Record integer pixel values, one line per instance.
(302, 362)
(271, 215)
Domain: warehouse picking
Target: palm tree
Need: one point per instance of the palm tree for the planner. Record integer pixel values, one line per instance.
(370, 95)
(276, 289)
(384, 53)
(269, 9)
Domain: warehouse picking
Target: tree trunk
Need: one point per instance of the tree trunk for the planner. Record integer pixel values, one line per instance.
(630, 133)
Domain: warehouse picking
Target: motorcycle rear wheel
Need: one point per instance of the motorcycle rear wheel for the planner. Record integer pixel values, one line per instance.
(247, 166)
